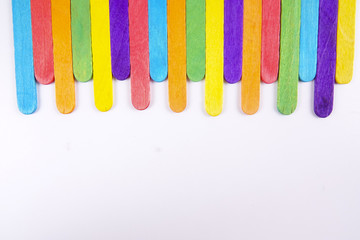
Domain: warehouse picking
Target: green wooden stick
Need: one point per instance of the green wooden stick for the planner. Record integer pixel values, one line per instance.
(195, 39)
(289, 56)
(81, 39)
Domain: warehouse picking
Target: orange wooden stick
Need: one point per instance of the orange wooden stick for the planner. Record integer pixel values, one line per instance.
(177, 54)
(64, 79)
(250, 87)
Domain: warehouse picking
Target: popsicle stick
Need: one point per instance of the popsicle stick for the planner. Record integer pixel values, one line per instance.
(81, 39)
(195, 39)
(289, 56)
(100, 32)
(158, 40)
(24, 68)
(139, 53)
(119, 32)
(214, 57)
(308, 39)
(233, 40)
(64, 79)
(177, 54)
(325, 77)
(250, 84)
(270, 42)
(42, 41)
(345, 41)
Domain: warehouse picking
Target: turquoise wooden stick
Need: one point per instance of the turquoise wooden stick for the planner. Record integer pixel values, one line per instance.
(24, 64)
(158, 39)
(308, 39)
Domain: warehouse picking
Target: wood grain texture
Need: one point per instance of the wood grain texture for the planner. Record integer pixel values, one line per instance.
(100, 33)
(289, 56)
(119, 32)
(24, 68)
(325, 77)
(214, 57)
(250, 83)
(195, 39)
(42, 41)
(308, 39)
(270, 40)
(177, 54)
(233, 40)
(345, 41)
(81, 40)
(158, 40)
(139, 53)
(64, 79)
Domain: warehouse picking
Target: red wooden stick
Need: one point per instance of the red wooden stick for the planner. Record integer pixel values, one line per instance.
(270, 40)
(42, 41)
(139, 53)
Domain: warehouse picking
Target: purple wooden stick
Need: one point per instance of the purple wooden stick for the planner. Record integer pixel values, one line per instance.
(119, 33)
(325, 77)
(233, 40)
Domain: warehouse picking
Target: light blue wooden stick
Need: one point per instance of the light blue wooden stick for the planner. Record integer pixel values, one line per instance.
(24, 65)
(308, 39)
(158, 39)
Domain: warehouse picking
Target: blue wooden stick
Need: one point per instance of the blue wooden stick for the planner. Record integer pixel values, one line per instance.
(308, 39)
(158, 39)
(24, 64)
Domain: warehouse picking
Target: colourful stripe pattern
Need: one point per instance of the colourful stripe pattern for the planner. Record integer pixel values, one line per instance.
(231, 40)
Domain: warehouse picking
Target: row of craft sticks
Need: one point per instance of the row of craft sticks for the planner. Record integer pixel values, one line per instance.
(247, 40)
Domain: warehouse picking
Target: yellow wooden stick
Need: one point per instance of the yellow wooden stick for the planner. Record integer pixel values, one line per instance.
(102, 73)
(64, 79)
(214, 57)
(250, 83)
(345, 41)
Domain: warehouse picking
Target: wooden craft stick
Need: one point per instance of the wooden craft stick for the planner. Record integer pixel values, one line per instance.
(345, 41)
(233, 40)
(139, 53)
(325, 77)
(214, 57)
(289, 56)
(250, 83)
(177, 54)
(42, 41)
(158, 40)
(81, 39)
(64, 79)
(308, 39)
(119, 32)
(100, 32)
(270, 40)
(24, 68)
(195, 39)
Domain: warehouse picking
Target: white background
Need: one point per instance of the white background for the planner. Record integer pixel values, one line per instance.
(157, 175)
